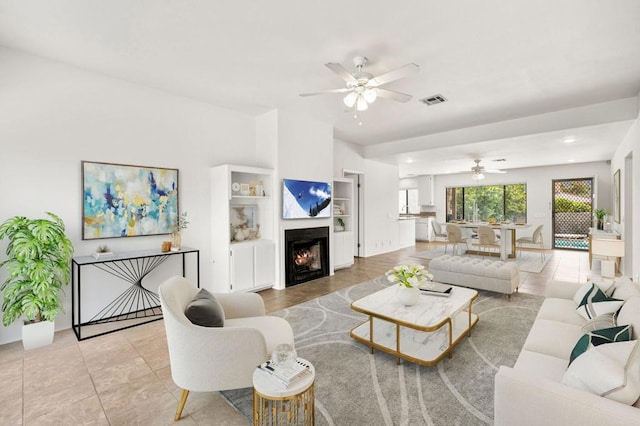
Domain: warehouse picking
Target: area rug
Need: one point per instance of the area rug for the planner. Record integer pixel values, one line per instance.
(354, 387)
(527, 261)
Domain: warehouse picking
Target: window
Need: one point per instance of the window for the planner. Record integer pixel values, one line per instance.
(408, 201)
(500, 202)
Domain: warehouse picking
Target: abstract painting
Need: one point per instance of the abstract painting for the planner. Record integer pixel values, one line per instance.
(121, 200)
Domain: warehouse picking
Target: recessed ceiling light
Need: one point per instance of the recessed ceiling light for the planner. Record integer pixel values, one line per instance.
(409, 160)
(569, 139)
(570, 161)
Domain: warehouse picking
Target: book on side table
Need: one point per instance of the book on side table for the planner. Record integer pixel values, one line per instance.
(436, 289)
(286, 374)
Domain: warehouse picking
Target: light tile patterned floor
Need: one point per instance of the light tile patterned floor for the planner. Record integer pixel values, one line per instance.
(125, 378)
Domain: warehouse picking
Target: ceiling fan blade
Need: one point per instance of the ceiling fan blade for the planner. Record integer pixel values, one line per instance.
(324, 92)
(396, 74)
(391, 94)
(342, 72)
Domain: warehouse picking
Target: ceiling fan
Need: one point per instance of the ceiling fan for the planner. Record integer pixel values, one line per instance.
(479, 171)
(363, 88)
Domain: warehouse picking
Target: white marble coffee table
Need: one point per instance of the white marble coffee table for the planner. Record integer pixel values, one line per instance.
(423, 333)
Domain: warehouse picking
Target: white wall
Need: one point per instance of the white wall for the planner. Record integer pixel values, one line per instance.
(539, 189)
(380, 183)
(630, 146)
(53, 116)
(304, 152)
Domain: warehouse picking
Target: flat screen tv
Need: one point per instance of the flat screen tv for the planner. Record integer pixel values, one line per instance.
(303, 199)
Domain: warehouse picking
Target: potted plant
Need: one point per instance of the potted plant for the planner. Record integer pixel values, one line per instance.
(600, 215)
(340, 226)
(409, 279)
(38, 266)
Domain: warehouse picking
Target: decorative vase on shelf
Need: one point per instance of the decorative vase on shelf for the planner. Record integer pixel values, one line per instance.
(176, 241)
(408, 296)
(239, 235)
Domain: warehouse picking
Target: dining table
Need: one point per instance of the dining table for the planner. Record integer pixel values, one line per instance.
(507, 235)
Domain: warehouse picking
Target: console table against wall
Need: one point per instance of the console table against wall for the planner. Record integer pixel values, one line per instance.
(136, 305)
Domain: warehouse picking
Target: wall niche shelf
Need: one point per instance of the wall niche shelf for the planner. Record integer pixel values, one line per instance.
(242, 227)
(343, 237)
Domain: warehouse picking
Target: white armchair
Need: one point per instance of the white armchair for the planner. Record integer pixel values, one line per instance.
(205, 359)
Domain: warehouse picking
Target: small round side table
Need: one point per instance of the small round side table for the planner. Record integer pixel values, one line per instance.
(273, 405)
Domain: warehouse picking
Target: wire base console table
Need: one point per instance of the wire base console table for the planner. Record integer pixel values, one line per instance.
(136, 305)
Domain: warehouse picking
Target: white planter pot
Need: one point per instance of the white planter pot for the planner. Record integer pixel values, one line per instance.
(37, 334)
(408, 296)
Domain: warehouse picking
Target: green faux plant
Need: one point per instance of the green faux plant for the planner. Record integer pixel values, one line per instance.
(38, 266)
(600, 214)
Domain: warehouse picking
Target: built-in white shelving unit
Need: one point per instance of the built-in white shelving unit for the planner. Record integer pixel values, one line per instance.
(242, 226)
(343, 222)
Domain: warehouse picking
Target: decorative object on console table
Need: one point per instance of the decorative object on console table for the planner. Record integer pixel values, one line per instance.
(181, 223)
(38, 257)
(102, 252)
(409, 279)
(600, 215)
(127, 201)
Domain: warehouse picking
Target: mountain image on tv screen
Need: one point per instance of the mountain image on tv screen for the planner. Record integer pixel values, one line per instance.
(302, 199)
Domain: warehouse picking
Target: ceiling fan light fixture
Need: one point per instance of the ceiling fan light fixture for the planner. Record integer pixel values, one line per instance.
(350, 99)
(370, 95)
(362, 104)
(477, 176)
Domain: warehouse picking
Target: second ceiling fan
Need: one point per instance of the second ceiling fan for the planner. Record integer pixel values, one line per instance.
(479, 171)
(364, 88)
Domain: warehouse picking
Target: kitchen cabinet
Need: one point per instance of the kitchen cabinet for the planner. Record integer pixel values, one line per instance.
(425, 190)
(407, 232)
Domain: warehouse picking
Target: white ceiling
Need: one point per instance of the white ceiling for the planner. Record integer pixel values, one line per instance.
(502, 64)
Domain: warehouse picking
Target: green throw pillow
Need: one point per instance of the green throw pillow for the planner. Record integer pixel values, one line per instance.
(595, 302)
(205, 310)
(599, 337)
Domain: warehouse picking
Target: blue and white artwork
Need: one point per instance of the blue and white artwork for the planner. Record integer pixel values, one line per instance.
(303, 199)
(128, 201)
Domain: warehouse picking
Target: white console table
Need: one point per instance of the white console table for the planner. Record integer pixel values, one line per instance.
(136, 305)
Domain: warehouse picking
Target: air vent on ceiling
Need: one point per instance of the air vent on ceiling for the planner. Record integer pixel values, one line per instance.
(433, 100)
(499, 160)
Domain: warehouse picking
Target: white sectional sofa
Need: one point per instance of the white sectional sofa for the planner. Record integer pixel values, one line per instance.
(533, 393)
(481, 274)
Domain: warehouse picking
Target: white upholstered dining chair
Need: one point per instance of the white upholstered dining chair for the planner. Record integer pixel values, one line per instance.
(534, 239)
(437, 231)
(206, 359)
(454, 237)
(487, 238)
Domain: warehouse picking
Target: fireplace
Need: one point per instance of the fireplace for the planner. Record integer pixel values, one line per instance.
(306, 254)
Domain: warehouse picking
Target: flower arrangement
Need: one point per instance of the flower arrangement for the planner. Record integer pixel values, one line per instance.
(181, 222)
(409, 276)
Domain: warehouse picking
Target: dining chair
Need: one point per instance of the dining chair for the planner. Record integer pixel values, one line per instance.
(454, 237)
(437, 231)
(535, 239)
(487, 238)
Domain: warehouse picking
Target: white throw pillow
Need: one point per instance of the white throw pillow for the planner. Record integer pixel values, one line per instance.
(626, 290)
(611, 371)
(592, 287)
(599, 322)
(630, 314)
(590, 310)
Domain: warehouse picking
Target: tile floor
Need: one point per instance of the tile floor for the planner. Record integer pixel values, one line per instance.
(125, 378)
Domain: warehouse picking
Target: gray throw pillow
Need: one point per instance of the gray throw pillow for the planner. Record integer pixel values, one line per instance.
(205, 310)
